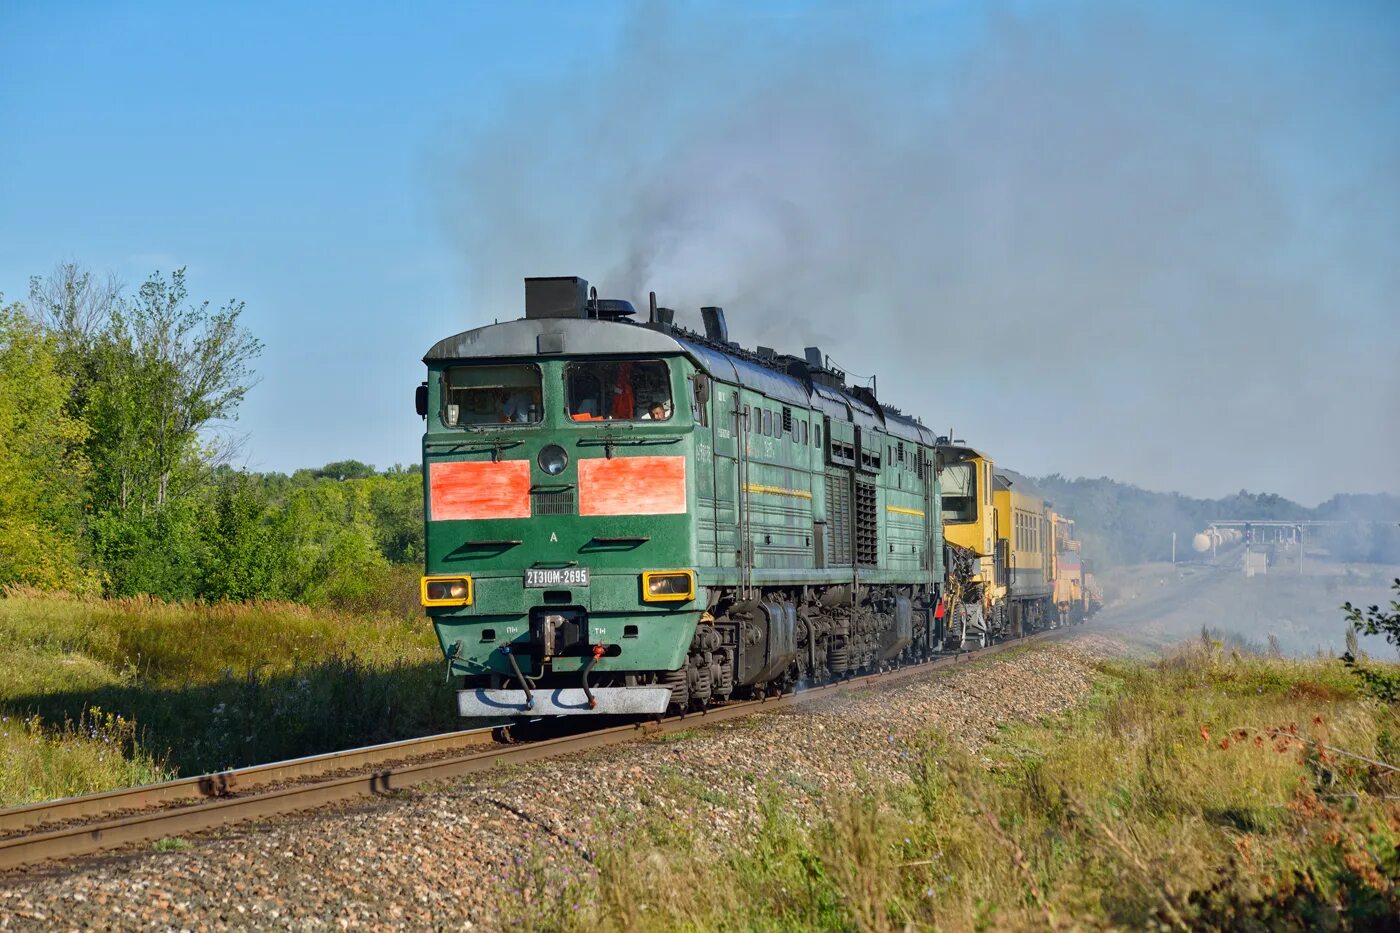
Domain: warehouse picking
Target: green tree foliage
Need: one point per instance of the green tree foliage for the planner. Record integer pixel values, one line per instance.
(166, 370)
(42, 467)
(113, 465)
(243, 543)
(345, 469)
(152, 376)
(1382, 684)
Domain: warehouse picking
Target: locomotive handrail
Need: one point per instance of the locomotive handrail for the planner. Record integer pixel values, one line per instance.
(629, 441)
(472, 446)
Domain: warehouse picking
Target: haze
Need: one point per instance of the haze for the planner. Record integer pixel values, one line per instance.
(1154, 244)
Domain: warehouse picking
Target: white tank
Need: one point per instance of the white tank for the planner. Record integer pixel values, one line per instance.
(1201, 543)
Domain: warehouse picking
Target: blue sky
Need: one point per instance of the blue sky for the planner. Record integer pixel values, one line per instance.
(369, 179)
(286, 158)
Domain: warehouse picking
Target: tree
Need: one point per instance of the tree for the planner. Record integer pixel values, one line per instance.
(244, 554)
(42, 467)
(1383, 685)
(73, 306)
(165, 370)
(345, 469)
(1375, 620)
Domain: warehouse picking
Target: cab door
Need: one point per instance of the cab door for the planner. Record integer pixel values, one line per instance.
(723, 432)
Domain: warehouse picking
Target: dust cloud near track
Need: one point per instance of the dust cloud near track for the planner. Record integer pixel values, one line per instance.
(1156, 605)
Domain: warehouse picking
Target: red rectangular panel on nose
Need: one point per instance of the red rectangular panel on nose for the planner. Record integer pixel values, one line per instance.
(467, 490)
(632, 486)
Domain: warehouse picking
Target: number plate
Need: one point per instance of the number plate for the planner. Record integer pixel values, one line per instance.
(556, 576)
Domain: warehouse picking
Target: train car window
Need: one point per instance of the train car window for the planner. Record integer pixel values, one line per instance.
(485, 395)
(767, 422)
(959, 489)
(747, 426)
(805, 433)
(618, 390)
(817, 434)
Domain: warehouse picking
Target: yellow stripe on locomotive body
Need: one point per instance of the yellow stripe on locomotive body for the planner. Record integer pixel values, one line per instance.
(777, 491)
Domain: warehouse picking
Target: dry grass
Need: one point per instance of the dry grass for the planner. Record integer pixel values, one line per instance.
(1211, 789)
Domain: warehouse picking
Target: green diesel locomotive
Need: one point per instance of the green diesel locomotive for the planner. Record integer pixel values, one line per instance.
(625, 517)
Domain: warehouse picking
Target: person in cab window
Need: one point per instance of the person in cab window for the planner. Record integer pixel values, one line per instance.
(657, 412)
(623, 399)
(516, 405)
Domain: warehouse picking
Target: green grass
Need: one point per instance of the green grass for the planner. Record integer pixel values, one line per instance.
(1211, 789)
(170, 844)
(202, 687)
(97, 752)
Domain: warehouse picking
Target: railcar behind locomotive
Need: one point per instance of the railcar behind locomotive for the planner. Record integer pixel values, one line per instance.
(628, 517)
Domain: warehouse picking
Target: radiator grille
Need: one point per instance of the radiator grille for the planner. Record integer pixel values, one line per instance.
(867, 527)
(552, 502)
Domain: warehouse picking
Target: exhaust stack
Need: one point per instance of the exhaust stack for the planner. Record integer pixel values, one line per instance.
(715, 328)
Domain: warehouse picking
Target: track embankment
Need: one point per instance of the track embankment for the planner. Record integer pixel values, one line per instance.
(466, 851)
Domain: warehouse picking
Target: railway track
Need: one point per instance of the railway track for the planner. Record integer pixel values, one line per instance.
(77, 826)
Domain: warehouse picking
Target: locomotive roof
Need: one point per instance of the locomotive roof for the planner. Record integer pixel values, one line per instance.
(528, 337)
(1010, 479)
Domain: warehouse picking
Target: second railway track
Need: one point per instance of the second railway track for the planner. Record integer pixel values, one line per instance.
(78, 826)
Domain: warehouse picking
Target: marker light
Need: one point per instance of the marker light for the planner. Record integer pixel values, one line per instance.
(446, 591)
(660, 586)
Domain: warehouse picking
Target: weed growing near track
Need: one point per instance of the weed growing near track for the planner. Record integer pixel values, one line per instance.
(206, 686)
(1210, 789)
(96, 752)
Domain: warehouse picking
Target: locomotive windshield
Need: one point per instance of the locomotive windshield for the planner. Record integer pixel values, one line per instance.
(958, 483)
(479, 395)
(618, 390)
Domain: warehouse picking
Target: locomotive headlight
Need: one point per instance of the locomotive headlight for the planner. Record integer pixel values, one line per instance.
(661, 586)
(553, 459)
(446, 591)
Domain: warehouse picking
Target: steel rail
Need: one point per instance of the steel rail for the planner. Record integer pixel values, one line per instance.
(233, 781)
(88, 838)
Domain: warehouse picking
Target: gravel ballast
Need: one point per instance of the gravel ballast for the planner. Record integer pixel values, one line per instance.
(457, 854)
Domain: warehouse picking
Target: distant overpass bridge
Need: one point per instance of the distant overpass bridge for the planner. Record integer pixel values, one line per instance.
(1278, 532)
